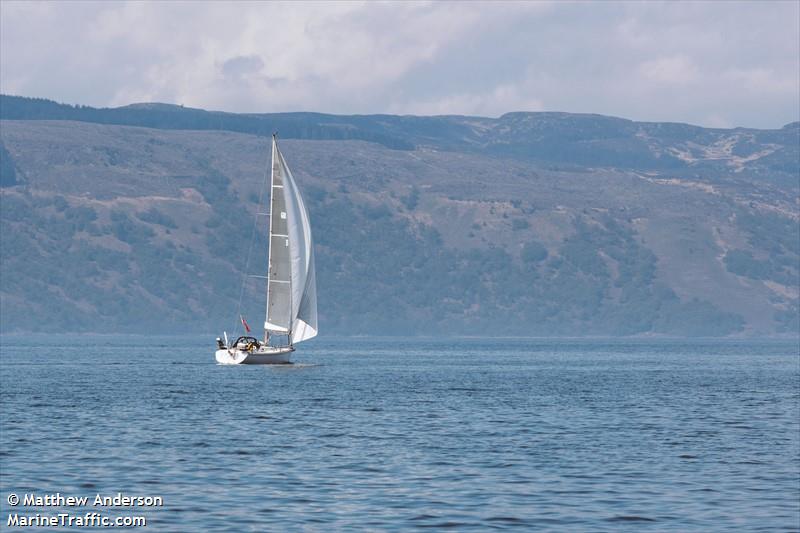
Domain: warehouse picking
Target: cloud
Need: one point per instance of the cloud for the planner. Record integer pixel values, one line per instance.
(240, 67)
(732, 63)
(763, 80)
(678, 70)
(494, 102)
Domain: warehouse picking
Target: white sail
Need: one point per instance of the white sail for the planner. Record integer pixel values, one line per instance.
(301, 248)
(291, 279)
(279, 316)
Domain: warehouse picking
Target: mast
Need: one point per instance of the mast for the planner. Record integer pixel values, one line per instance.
(291, 317)
(269, 235)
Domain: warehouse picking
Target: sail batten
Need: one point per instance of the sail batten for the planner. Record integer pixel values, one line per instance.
(291, 277)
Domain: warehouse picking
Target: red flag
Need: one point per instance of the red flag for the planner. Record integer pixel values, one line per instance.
(244, 323)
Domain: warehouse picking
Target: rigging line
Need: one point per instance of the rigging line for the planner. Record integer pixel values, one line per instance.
(238, 323)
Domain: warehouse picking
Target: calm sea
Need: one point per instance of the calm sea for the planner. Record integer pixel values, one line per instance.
(399, 434)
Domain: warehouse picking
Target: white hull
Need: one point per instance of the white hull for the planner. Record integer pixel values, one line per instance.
(267, 355)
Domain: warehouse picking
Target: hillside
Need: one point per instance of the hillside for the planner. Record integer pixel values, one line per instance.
(139, 219)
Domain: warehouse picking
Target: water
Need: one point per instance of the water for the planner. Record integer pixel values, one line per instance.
(391, 434)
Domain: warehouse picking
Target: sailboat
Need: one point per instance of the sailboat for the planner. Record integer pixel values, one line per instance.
(291, 310)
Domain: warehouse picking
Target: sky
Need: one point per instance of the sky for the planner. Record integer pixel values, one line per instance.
(718, 64)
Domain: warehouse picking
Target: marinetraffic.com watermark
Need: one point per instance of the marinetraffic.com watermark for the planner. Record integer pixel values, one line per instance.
(30, 510)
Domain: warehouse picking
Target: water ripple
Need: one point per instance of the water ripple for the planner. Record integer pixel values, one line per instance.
(370, 434)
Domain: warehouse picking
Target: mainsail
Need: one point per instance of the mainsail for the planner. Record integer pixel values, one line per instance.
(291, 281)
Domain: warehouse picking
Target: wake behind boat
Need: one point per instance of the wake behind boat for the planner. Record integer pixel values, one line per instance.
(291, 314)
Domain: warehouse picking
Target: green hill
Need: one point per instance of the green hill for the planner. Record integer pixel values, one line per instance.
(140, 218)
